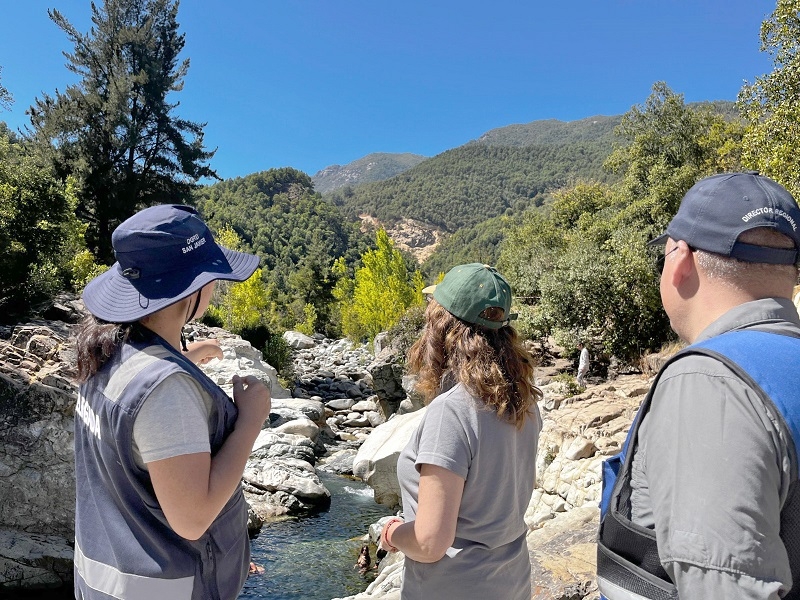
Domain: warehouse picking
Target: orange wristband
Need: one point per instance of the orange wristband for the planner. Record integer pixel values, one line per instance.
(387, 530)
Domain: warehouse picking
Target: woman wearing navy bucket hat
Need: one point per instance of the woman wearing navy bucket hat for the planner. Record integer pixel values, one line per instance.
(160, 448)
(468, 472)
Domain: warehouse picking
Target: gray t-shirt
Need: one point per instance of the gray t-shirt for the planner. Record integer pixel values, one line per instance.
(498, 463)
(713, 468)
(173, 420)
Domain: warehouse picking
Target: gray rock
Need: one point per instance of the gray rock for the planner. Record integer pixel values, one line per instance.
(37, 404)
(304, 427)
(364, 406)
(341, 404)
(340, 462)
(298, 340)
(31, 560)
(309, 408)
(387, 375)
(380, 342)
(291, 477)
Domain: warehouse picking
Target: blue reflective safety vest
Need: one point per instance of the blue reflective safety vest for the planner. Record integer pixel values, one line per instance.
(124, 547)
(628, 566)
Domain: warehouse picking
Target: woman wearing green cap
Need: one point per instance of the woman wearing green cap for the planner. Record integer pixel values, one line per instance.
(468, 472)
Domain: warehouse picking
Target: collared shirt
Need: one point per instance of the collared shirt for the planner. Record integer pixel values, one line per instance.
(713, 469)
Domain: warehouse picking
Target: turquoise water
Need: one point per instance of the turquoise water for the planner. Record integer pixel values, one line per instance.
(312, 558)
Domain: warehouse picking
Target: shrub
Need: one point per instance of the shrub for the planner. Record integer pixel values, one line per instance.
(408, 328)
(278, 354)
(568, 383)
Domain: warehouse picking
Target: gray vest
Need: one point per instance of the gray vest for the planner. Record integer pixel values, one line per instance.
(628, 565)
(124, 547)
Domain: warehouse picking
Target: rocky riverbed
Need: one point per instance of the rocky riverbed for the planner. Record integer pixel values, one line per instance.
(347, 412)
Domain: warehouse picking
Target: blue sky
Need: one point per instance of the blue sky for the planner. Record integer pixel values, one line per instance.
(311, 83)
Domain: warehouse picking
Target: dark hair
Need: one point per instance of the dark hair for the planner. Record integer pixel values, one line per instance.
(492, 364)
(97, 341)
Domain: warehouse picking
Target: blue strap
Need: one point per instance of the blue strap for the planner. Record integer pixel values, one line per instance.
(772, 361)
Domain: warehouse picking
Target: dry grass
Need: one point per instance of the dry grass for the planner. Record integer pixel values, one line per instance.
(651, 363)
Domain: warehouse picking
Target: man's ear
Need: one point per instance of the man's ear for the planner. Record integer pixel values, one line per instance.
(683, 266)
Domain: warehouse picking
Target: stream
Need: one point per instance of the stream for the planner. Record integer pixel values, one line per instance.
(312, 557)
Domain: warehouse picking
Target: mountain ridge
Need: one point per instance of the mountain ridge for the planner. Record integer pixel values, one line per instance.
(375, 166)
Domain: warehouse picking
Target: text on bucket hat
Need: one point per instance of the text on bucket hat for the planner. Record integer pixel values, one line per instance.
(467, 290)
(164, 254)
(718, 209)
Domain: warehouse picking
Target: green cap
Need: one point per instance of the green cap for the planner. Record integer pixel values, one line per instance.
(467, 290)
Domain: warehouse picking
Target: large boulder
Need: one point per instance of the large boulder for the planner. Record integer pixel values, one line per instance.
(563, 556)
(298, 341)
(376, 461)
(240, 358)
(313, 410)
(387, 376)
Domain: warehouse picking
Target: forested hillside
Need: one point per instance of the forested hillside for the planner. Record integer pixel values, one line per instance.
(297, 235)
(482, 241)
(551, 132)
(373, 167)
(473, 183)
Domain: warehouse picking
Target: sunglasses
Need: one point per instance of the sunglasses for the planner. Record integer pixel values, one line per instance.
(659, 266)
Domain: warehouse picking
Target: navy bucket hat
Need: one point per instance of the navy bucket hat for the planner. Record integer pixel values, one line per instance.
(718, 209)
(164, 254)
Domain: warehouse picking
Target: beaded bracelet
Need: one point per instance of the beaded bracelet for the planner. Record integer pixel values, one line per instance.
(386, 531)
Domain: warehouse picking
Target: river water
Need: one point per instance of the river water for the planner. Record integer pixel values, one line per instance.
(307, 558)
(312, 557)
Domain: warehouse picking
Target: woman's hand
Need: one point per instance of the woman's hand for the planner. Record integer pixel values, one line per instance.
(202, 352)
(253, 399)
(427, 538)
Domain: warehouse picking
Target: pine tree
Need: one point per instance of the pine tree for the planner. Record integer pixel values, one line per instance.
(115, 130)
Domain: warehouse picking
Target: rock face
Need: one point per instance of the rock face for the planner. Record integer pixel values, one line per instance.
(417, 238)
(37, 496)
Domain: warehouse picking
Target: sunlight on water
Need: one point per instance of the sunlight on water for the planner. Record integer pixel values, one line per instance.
(365, 491)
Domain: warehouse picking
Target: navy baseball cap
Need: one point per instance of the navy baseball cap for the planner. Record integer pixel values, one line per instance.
(718, 209)
(164, 254)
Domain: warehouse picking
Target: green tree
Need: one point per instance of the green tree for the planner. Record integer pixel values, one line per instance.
(382, 290)
(771, 105)
(35, 217)
(115, 130)
(581, 267)
(665, 146)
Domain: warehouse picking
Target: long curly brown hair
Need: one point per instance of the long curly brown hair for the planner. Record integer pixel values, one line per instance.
(492, 364)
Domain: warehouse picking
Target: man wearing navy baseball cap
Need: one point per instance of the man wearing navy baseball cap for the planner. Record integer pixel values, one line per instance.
(705, 500)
